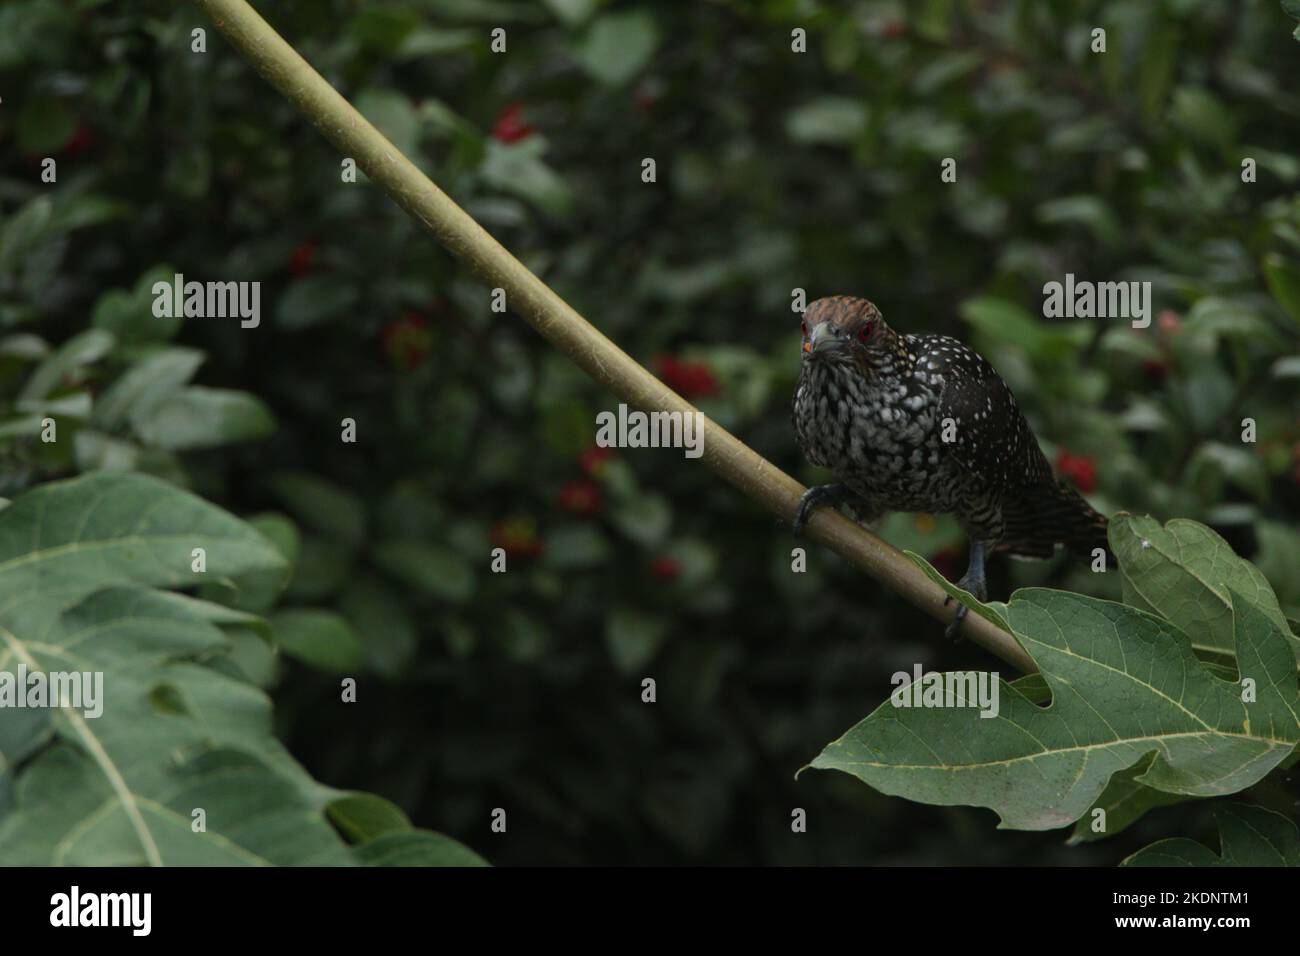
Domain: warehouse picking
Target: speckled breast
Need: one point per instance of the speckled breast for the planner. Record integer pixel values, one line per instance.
(878, 434)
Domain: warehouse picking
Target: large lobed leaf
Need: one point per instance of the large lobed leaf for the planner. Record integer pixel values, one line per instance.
(1249, 836)
(82, 563)
(1183, 572)
(1126, 689)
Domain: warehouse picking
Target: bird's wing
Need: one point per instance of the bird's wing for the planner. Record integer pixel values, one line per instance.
(977, 412)
(993, 442)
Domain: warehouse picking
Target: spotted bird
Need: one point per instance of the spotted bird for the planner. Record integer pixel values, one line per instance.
(924, 423)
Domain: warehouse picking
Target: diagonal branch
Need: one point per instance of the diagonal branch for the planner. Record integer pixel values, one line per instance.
(564, 328)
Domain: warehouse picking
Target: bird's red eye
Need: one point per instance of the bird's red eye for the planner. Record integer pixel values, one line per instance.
(864, 333)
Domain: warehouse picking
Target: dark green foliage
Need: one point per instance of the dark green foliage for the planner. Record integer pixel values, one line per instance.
(776, 170)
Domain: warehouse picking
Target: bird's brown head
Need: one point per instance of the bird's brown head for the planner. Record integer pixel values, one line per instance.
(845, 328)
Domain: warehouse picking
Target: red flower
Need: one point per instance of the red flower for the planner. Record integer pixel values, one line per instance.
(510, 126)
(1079, 469)
(517, 537)
(594, 461)
(303, 257)
(687, 379)
(581, 497)
(666, 568)
(82, 139)
(407, 342)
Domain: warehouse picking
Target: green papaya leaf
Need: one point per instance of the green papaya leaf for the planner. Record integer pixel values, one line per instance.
(1248, 836)
(69, 812)
(168, 756)
(1124, 801)
(119, 778)
(385, 836)
(362, 817)
(1125, 686)
(416, 848)
(1183, 572)
(994, 612)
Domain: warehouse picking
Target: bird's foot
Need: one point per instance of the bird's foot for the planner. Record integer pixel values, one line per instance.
(974, 582)
(953, 631)
(814, 498)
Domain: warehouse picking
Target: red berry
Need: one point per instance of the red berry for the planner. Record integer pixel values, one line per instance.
(666, 568)
(581, 497)
(645, 98)
(82, 139)
(510, 126)
(1080, 469)
(594, 461)
(517, 537)
(688, 379)
(893, 28)
(300, 263)
(407, 342)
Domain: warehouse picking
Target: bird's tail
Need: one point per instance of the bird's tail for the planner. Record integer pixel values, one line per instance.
(1036, 520)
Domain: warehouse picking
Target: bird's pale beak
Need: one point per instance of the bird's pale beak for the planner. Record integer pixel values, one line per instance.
(820, 339)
